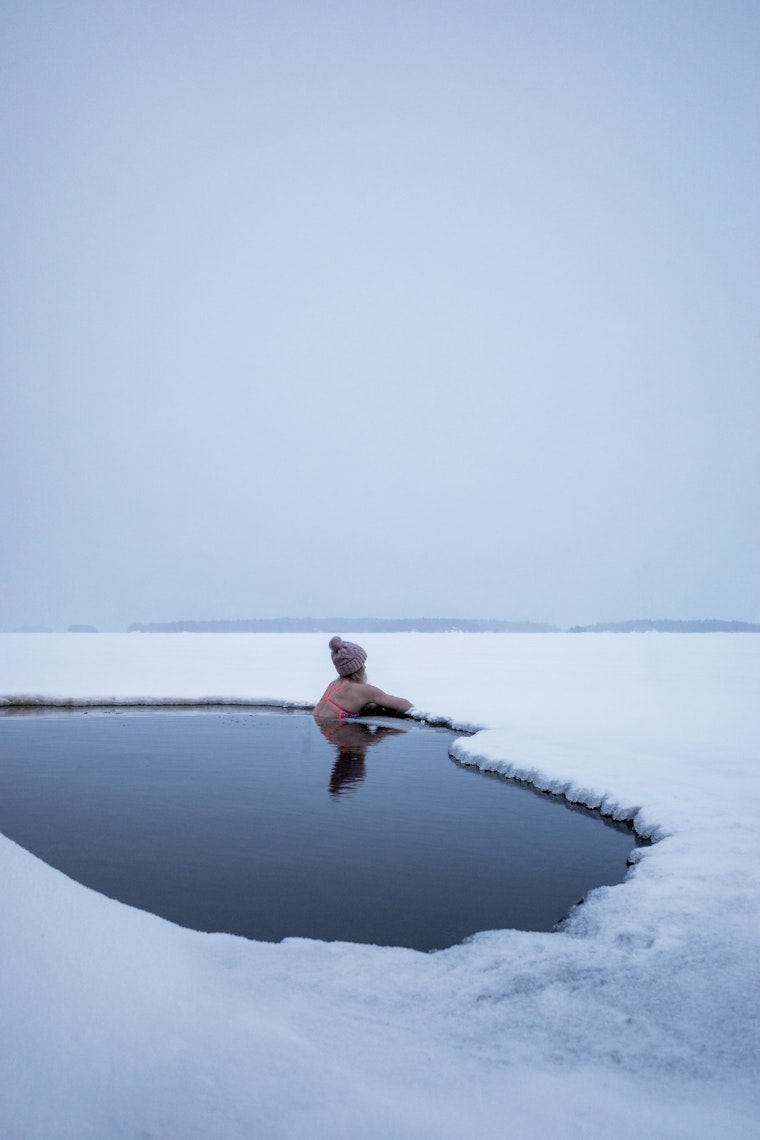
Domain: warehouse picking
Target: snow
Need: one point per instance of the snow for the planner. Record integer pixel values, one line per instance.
(640, 1016)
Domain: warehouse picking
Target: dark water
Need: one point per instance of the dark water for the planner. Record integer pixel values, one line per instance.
(256, 824)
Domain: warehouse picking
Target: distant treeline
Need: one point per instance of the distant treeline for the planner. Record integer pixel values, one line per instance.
(352, 625)
(711, 625)
(415, 625)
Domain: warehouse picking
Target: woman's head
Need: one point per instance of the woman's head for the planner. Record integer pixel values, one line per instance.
(348, 657)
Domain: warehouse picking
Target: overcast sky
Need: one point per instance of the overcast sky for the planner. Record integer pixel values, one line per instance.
(392, 309)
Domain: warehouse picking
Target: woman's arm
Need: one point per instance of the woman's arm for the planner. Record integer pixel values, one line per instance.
(374, 696)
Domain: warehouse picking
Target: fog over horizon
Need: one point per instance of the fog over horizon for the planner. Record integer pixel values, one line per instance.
(402, 310)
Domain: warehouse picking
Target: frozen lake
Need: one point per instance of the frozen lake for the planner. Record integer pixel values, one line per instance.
(641, 1013)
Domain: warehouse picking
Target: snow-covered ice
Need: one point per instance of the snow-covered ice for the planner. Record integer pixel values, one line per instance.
(639, 1017)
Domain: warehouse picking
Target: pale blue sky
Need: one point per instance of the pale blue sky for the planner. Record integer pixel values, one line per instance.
(405, 309)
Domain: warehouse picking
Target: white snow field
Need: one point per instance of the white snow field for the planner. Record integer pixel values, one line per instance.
(639, 1018)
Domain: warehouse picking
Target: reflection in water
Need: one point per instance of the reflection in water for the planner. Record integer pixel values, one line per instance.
(351, 739)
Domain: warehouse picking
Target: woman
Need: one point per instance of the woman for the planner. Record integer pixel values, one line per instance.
(349, 695)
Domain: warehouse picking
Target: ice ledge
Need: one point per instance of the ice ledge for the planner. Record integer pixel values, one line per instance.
(463, 752)
(33, 701)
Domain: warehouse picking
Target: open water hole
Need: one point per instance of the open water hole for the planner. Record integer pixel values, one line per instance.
(256, 823)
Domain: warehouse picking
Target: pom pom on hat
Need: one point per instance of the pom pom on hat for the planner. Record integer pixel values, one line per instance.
(347, 656)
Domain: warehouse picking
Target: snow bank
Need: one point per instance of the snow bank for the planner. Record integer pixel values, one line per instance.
(640, 1016)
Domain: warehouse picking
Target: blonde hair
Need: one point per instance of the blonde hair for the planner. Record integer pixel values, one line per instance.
(360, 676)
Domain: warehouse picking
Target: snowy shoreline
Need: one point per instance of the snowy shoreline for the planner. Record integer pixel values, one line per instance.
(644, 1006)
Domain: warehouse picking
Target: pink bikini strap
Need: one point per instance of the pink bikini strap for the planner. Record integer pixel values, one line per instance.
(332, 692)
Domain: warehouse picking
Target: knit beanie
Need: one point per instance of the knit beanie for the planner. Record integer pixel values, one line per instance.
(348, 657)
